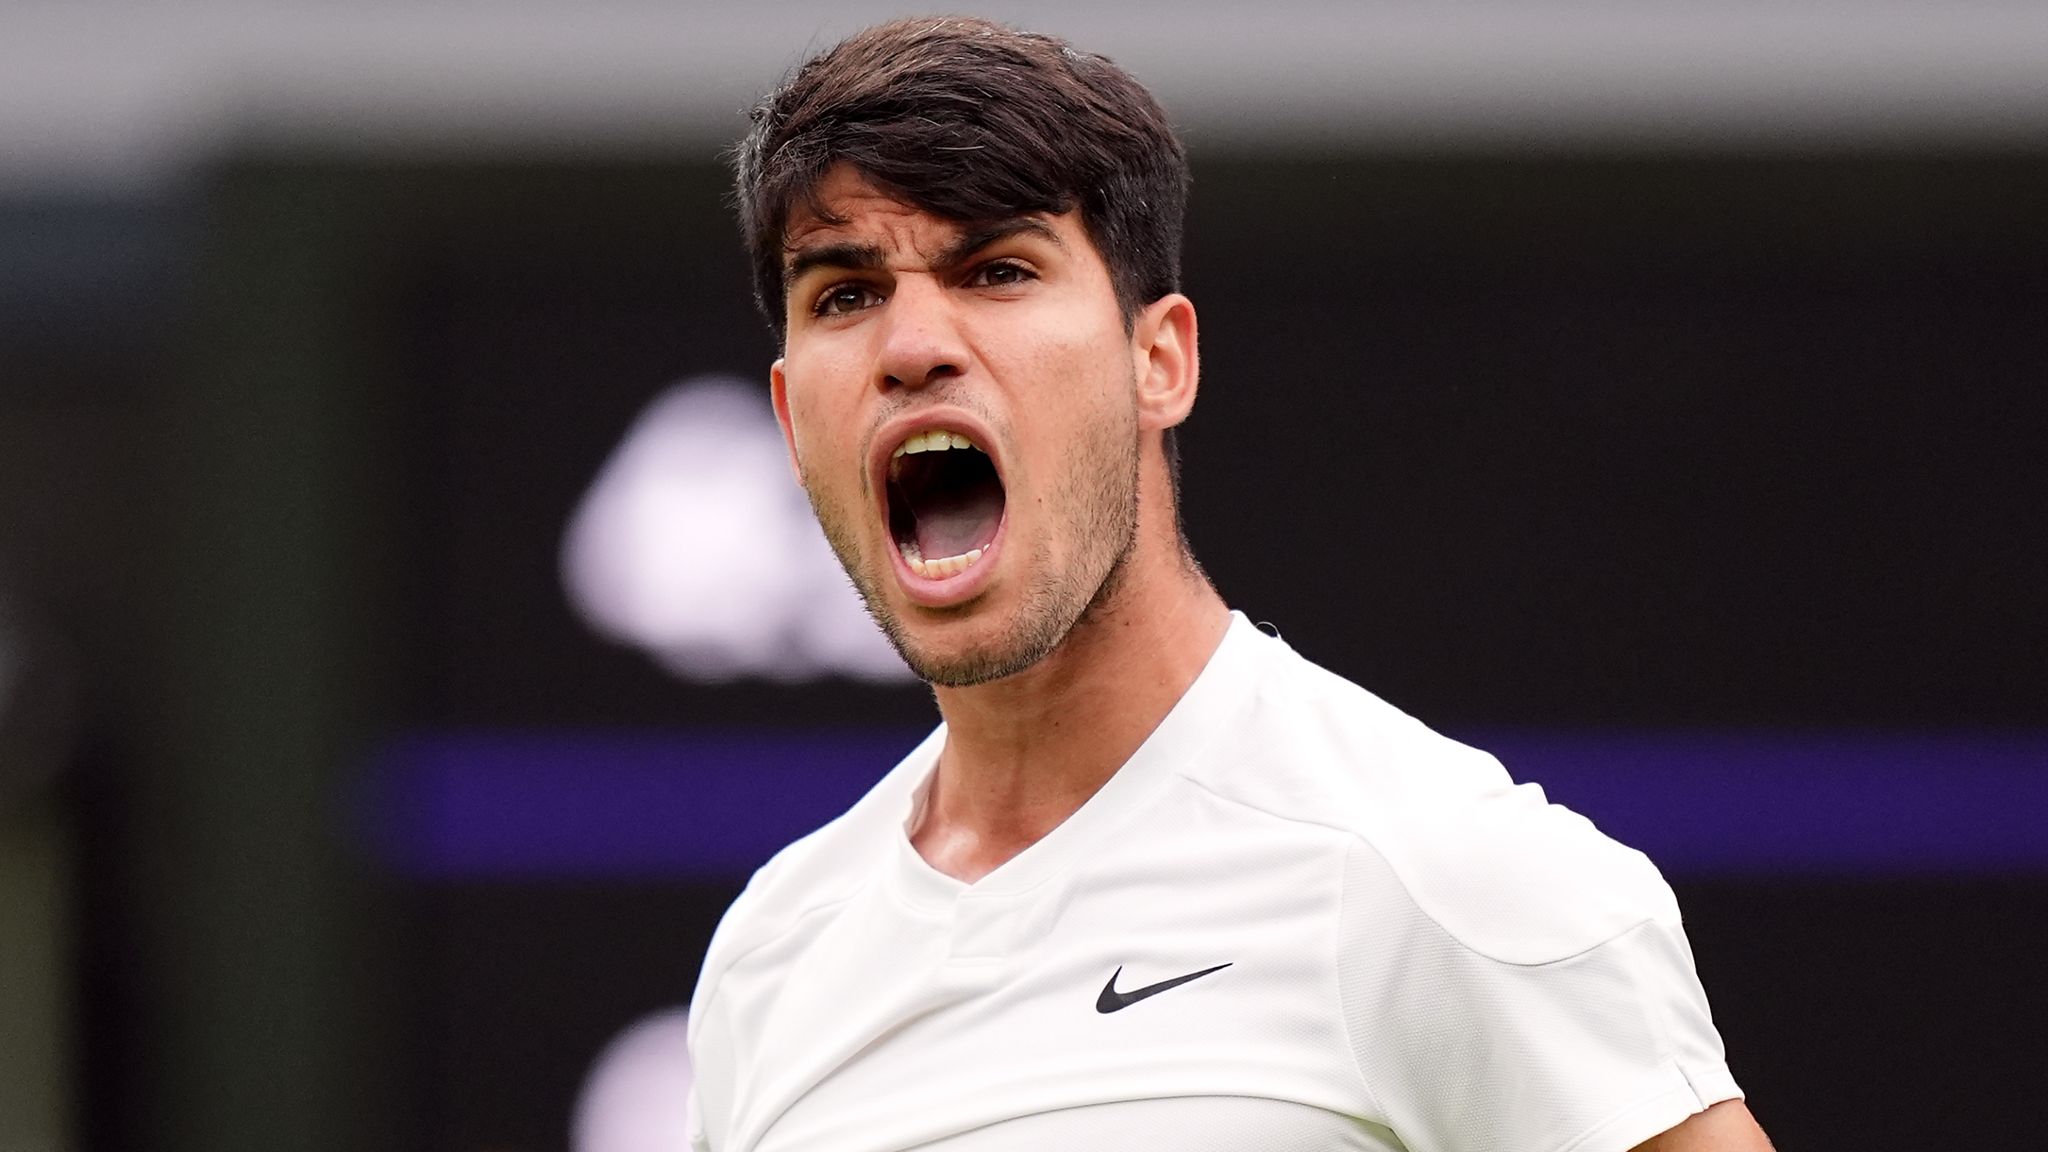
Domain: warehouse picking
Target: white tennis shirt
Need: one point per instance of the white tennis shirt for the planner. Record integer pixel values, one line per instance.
(1420, 955)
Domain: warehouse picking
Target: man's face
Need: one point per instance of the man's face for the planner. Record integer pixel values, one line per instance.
(959, 401)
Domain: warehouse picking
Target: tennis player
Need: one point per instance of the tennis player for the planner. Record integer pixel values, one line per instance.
(1157, 882)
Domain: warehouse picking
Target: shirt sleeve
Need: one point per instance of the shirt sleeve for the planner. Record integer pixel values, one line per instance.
(1594, 1050)
(698, 1141)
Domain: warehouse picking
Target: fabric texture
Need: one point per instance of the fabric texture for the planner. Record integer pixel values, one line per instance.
(1399, 948)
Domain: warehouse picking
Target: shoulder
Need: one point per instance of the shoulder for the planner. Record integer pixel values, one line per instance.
(814, 874)
(1517, 879)
(1493, 863)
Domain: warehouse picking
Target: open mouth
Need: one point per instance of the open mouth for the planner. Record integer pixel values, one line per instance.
(945, 503)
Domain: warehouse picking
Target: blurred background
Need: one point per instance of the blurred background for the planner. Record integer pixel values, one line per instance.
(409, 641)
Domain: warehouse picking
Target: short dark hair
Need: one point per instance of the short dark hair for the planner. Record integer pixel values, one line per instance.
(971, 121)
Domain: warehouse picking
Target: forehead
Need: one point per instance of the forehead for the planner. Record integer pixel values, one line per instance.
(862, 214)
(855, 207)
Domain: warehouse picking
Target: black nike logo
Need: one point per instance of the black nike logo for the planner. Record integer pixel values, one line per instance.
(1112, 1000)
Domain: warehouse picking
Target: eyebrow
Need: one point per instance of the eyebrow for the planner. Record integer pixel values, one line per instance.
(866, 257)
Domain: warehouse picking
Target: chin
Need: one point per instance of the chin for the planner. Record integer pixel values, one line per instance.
(975, 647)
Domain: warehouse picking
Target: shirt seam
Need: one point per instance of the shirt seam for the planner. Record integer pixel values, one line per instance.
(791, 925)
(1408, 893)
(1378, 1114)
(1683, 1088)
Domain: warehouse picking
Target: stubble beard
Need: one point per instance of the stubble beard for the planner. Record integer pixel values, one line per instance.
(1102, 491)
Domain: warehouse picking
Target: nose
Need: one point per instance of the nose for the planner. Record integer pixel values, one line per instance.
(921, 340)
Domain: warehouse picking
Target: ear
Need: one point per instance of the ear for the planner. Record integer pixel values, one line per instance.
(778, 392)
(1167, 363)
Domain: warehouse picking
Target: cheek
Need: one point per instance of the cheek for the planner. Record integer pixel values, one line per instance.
(1080, 408)
(820, 416)
(1096, 385)
(1077, 365)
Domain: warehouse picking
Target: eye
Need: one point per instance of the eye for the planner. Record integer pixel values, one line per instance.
(841, 299)
(999, 274)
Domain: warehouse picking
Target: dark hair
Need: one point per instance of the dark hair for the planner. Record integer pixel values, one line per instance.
(971, 121)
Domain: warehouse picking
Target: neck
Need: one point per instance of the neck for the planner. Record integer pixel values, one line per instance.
(1023, 753)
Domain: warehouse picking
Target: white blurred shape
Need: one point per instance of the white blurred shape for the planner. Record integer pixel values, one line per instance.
(636, 1098)
(695, 545)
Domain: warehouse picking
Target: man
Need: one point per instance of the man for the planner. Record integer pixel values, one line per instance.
(1156, 882)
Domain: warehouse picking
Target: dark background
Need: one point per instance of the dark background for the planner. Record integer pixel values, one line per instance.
(1574, 440)
(1635, 441)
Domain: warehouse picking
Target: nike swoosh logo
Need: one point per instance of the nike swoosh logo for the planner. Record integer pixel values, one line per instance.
(1112, 1000)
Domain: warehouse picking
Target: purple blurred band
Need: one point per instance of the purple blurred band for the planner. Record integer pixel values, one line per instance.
(714, 805)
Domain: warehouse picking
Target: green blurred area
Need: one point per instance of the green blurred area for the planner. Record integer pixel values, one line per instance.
(35, 981)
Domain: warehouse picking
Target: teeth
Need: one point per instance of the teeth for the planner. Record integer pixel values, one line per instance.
(936, 440)
(940, 568)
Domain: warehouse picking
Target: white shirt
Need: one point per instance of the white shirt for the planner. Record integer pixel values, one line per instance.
(1421, 955)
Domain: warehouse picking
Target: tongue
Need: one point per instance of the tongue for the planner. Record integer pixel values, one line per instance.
(958, 522)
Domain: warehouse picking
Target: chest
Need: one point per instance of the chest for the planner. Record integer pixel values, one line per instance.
(1190, 974)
